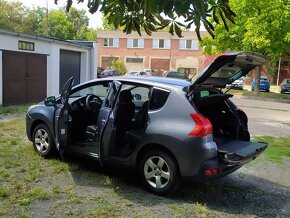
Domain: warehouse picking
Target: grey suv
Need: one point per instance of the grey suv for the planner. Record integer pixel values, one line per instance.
(169, 130)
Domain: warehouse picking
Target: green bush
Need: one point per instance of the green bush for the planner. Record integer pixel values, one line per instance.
(120, 66)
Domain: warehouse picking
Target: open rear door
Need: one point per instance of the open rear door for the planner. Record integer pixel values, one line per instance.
(105, 121)
(62, 118)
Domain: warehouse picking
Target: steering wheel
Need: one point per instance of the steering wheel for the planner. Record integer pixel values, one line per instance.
(93, 102)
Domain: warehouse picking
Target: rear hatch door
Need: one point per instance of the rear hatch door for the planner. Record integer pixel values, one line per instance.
(240, 152)
(227, 68)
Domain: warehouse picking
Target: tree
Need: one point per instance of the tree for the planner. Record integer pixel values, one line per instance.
(32, 22)
(12, 15)
(120, 66)
(152, 15)
(262, 26)
(59, 26)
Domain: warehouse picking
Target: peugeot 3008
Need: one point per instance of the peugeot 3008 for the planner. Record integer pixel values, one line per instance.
(169, 130)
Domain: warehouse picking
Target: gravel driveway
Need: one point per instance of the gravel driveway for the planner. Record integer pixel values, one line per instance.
(266, 117)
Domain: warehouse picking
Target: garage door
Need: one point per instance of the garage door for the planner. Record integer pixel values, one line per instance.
(160, 65)
(24, 77)
(70, 65)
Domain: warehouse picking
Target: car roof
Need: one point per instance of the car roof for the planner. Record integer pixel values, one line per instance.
(162, 82)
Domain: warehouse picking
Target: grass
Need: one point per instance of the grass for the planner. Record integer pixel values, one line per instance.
(278, 148)
(4, 110)
(263, 95)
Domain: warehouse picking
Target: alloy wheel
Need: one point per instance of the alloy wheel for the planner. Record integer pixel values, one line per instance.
(41, 141)
(156, 172)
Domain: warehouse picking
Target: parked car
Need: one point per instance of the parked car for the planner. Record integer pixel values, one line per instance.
(148, 71)
(132, 73)
(168, 130)
(285, 86)
(144, 73)
(109, 72)
(264, 84)
(99, 71)
(175, 74)
(138, 73)
(237, 84)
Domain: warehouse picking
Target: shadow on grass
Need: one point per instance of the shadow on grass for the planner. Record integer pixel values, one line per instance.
(235, 194)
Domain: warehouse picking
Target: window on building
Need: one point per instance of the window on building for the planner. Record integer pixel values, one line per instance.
(23, 45)
(110, 42)
(188, 44)
(135, 43)
(161, 43)
(134, 60)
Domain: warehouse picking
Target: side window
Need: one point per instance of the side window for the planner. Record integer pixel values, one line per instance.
(158, 98)
(204, 93)
(140, 94)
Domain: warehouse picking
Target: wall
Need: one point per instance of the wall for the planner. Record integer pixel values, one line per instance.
(174, 54)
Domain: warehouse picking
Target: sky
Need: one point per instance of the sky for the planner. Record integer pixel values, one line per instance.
(95, 19)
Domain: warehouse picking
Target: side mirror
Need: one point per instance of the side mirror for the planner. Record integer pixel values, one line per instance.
(137, 97)
(50, 101)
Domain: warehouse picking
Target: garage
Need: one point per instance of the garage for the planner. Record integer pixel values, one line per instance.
(33, 67)
(24, 77)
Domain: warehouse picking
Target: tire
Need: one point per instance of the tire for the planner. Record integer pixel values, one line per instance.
(43, 141)
(267, 90)
(158, 165)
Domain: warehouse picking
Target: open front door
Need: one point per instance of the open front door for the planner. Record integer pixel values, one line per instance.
(104, 120)
(62, 118)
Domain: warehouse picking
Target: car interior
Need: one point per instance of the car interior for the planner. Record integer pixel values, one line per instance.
(130, 116)
(228, 122)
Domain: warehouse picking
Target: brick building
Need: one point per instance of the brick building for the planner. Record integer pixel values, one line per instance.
(160, 52)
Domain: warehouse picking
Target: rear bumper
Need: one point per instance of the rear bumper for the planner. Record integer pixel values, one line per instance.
(285, 90)
(224, 165)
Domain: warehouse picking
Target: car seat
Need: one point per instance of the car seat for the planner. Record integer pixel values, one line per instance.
(123, 114)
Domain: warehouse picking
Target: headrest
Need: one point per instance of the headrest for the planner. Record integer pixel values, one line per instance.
(125, 96)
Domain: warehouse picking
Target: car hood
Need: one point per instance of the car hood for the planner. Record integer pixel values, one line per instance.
(227, 68)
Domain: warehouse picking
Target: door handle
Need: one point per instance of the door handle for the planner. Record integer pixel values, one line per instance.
(103, 121)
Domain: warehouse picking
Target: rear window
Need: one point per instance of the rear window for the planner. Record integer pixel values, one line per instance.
(227, 71)
(158, 98)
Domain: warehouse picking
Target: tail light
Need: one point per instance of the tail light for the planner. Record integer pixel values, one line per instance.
(202, 127)
(211, 171)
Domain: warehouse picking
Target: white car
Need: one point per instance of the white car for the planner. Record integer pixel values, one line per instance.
(238, 84)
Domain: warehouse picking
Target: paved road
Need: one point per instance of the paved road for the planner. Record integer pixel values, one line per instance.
(265, 117)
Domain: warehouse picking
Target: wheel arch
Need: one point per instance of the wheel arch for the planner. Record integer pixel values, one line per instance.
(35, 123)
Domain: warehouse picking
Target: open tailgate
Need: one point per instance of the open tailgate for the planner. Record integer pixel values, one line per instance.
(240, 152)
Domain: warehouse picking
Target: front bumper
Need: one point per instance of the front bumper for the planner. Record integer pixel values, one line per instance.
(28, 122)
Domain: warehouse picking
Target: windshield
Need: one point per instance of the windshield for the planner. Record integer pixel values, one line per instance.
(264, 80)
